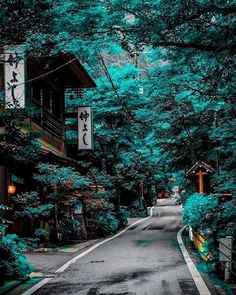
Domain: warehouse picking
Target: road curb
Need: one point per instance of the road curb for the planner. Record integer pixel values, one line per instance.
(73, 260)
(198, 280)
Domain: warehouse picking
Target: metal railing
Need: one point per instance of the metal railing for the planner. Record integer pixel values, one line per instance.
(48, 121)
(232, 261)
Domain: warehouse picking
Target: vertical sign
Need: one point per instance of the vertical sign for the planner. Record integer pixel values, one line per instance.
(85, 128)
(14, 69)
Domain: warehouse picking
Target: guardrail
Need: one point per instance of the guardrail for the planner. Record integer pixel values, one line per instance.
(229, 258)
(207, 255)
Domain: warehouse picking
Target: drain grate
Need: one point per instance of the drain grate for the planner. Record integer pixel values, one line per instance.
(97, 261)
(188, 287)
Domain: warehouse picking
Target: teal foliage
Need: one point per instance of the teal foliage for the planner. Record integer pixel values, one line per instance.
(41, 233)
(137, 209)
(27, 206)
(64, 189)
(55, 175)
(31, 243)
(123, 216)
(181, 53)
(227, 219)
(108, 222)
(206, 267)
(14, 143)
(123, 143)
(4, 222)
(68, 226)
(204, 212)
(196, 208)
(13, 263)
(228, 211)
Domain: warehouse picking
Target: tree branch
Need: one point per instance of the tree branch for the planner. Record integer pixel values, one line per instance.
(201, 47)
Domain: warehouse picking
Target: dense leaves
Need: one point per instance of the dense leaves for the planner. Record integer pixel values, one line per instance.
(209, 215)
(62, 194)
(165, 99)
(13, 263)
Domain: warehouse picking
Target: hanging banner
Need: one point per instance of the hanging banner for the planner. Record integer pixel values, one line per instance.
(14, 69)
(85, 128)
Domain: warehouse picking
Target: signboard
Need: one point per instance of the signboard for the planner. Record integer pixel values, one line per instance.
(85, 128)
(14, 69)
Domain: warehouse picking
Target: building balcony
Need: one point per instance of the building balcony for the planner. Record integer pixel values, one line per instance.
(48, 121)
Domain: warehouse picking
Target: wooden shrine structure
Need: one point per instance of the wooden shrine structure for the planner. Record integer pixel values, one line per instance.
(201, 172)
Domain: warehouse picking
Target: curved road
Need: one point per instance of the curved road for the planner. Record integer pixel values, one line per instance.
(145, 260)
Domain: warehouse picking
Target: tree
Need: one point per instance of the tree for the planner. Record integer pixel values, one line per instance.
(29, 210)
(125, 144)
(64, 188)
(189, 95)
(193, 45)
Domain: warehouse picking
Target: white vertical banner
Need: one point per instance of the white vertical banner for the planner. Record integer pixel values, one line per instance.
(85, 128)
(14, 71)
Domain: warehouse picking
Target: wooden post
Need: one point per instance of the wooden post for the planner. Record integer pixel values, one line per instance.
(201, 183)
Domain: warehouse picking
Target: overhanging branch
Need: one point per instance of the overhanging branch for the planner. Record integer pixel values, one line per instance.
(192, 45)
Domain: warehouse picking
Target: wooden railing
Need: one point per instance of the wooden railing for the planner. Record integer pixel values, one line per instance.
(48, 121)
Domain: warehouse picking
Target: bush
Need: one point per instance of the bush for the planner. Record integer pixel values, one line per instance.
(123, 216)
(137, 210)
(196, 209)
(13, 264)
(108, 222)
(41, 234)
(69, 227)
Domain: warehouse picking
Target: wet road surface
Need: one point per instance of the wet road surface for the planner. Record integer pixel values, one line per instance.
(145, 260)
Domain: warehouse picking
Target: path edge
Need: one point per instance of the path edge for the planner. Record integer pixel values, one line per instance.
(198, 280)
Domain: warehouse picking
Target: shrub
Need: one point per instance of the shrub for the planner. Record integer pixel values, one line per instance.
(108, 222)
(123, 216)
(196, 209)
(13, 263)
(137, 209)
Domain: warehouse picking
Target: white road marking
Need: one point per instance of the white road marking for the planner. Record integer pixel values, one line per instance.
(199, 282)
(73, 260)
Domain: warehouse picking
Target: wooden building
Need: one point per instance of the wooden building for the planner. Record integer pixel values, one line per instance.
(45, 83)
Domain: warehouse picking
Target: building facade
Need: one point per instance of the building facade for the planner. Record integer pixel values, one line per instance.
(35, 88)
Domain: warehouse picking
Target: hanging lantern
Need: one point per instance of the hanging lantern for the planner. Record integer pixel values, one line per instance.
(11, 189)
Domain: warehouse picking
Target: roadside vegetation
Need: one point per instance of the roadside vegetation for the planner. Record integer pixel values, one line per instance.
(165, 98)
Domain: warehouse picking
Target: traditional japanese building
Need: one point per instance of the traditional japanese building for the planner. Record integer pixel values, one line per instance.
(38, 84)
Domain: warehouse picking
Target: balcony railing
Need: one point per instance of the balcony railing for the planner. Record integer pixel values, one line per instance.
(48, 121)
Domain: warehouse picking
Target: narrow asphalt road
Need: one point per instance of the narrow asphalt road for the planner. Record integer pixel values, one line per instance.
(145, 260)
